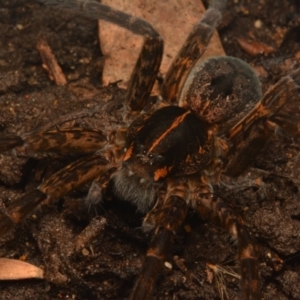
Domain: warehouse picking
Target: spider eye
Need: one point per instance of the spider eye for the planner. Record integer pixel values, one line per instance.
(150, 155)
(160, 158)
(141, 149)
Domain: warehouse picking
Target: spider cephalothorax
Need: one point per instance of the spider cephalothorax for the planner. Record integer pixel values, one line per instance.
(167, 155)
(170, 142)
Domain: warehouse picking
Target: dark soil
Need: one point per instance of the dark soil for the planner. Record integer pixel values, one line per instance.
(106, 266)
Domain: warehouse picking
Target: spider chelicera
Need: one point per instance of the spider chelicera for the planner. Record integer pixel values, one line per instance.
(167, 155)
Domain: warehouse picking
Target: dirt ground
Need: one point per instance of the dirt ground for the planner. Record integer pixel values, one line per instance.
(106, 266)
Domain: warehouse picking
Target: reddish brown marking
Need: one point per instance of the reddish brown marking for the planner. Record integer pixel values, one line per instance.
(16, 217)
(188, 159)
(259, 111)
(160, 173)
(153, 252)
(177, 121)
(128, 153)
(248, 252)
(201, 150)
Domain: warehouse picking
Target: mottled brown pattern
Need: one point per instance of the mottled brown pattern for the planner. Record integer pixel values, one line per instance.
(145, 73)
(250, 135)
(168, 218)
(190, 52)
(75, 175)
(134, 163)
(55, 187)
(65, 141)
(275, 98)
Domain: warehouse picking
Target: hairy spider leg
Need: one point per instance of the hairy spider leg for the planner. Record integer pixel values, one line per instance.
(168, 215)
(56, 186)
(63, 141)
(288, 117)
(213, 208)
(191, 51)
(277, 108)
(148, 64)
(273, 100)
(165, 219)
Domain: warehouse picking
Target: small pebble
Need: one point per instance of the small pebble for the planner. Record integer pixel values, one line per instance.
(168, 265)
(85, 252)
(258, 24)
(20, 26)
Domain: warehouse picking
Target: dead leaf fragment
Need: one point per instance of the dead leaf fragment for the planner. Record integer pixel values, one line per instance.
(254, 48)
(13, 269)
(173, 20)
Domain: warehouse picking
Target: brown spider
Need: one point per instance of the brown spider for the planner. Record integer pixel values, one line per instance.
(167, 155)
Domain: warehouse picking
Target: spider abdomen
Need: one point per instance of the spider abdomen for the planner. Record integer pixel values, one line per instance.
(171, 141)
(222, 90)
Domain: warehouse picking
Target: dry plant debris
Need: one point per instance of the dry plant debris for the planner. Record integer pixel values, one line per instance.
(174, 20)
(13, 269)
